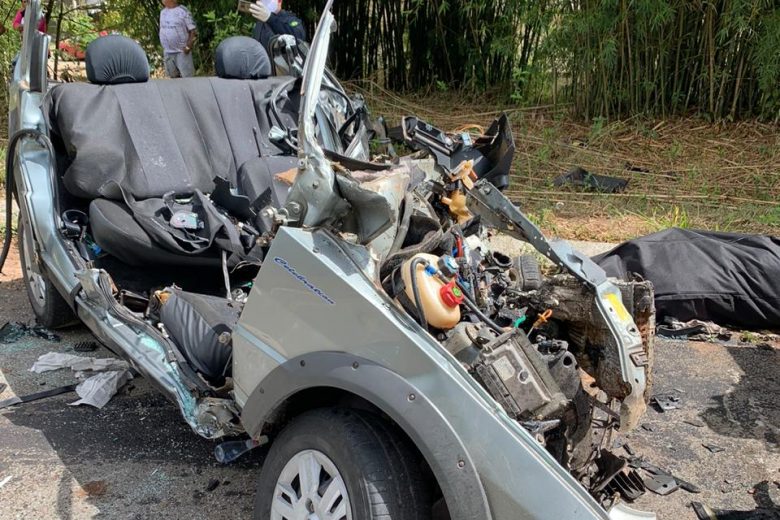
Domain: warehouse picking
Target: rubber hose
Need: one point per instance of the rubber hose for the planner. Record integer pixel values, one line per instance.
(476, 310)
(416, 290)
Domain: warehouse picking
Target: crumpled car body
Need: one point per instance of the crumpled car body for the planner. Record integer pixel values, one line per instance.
(498, 402)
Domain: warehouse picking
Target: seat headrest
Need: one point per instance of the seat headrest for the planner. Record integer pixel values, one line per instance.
(116, 59)
(241, 57)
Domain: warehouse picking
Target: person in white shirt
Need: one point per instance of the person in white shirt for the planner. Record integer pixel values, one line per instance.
(177, 36)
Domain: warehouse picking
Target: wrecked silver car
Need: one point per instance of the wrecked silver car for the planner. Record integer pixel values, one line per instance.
(253, 247)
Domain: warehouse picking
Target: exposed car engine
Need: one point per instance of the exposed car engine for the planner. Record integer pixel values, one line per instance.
(535, 342)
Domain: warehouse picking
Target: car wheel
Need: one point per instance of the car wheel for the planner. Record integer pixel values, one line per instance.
(341, 464)
(50, 309)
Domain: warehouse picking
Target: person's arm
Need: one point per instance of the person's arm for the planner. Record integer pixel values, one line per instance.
(190, 41)
(193, 33)
(19, 20)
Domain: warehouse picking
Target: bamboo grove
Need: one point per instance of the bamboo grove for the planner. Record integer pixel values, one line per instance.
(608, 58)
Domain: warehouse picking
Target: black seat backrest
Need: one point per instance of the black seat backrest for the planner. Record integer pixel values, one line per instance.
(116, 59)
(242, 57)
(160, 136)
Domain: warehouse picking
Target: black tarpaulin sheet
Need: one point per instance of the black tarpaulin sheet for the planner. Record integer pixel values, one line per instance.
(728, 278)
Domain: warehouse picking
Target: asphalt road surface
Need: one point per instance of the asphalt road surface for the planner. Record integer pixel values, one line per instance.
(137, 458)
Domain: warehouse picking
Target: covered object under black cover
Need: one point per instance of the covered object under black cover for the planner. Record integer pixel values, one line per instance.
(728, 278)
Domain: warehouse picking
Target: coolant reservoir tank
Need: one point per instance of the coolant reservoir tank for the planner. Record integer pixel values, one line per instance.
(438, 299)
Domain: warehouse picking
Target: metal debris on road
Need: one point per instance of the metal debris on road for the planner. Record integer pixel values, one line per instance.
(629, 485)
(44, 333)
(703, 512)
(5, 481)
(664, 403)
(692, 330)
(713, 448)
(661, 484)
(37, 396)
(659, 480)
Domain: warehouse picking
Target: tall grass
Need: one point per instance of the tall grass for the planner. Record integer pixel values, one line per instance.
(608, 57)
(718, 57)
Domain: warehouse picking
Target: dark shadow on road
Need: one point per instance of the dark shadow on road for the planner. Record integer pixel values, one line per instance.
(751, 407)
(767, 508)
(138, 429)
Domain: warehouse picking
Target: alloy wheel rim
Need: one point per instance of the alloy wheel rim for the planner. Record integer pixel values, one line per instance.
(310, 487)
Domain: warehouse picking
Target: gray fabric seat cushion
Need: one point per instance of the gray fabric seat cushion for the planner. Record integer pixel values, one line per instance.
(115, 230)
(160, 136)
(242, 57)
(201, 326)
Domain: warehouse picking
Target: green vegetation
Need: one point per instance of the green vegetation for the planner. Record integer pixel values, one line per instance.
(680, 97)
(216, 20)
(608, 58)
(605, 59)
(682, 171)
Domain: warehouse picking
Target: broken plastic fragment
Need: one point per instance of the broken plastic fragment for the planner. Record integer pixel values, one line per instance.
(56, 360)
(98, 390)
(666, 402)
(13, 331)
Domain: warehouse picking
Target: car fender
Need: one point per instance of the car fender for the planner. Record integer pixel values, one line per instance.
(430, 431)
(313, 296)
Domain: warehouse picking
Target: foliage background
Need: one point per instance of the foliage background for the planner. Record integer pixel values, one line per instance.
(603, 58)
(638, 89)
(607, 57)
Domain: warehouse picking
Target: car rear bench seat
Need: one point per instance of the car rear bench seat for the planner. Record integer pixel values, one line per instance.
(146, 139)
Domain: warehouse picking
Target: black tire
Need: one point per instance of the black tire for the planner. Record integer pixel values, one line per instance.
(384, 476)
(50, 309)
(526, 273)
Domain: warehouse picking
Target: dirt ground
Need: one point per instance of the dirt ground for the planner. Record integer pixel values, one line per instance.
(137, 459)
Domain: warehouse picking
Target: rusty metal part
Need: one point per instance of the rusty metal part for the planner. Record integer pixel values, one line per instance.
(592, 341)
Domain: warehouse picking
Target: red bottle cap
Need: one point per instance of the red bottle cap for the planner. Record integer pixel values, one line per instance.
(451, 294)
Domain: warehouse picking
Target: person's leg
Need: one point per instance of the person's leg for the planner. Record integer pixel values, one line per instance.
(185, 65)
(171, 70)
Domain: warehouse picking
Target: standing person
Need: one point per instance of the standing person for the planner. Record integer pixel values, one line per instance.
(19, 19)
(177, 36)
(273, 20)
